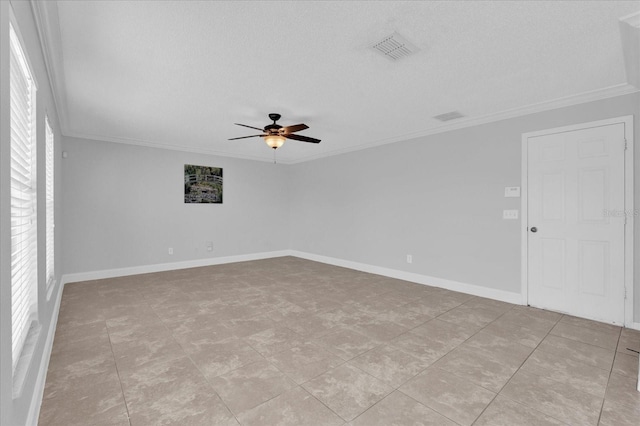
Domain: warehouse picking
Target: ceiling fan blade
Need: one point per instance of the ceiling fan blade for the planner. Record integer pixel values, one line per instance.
(294, 128)
(302, 138)
(251, 127)
(244, 137)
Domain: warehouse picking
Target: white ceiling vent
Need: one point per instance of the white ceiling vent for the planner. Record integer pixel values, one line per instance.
(395, 47)
(449, 116)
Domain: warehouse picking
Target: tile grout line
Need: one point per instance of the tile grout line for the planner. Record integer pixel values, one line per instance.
(124, 398)
(610, 370)
(457, 346)
(516, 372)
(604, 397)
(403, 333)
(277, 324)
(430, 408)
(347, 362)
(431, 364)
(300, 385)
(198, 368)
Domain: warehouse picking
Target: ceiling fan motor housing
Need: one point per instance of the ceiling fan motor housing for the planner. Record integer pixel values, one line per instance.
(272, 128)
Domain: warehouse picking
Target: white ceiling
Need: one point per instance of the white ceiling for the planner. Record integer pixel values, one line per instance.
(178, 74)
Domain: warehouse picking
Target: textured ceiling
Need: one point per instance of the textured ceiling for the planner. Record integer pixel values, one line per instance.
(178, 74)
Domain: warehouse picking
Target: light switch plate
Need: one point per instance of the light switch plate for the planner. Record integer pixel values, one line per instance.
(510, 214)
(512, 191)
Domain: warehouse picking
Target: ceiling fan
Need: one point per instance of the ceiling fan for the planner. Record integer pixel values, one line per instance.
(275, 135)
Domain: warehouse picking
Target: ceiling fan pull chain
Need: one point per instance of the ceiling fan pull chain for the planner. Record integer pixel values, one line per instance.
(274, 156)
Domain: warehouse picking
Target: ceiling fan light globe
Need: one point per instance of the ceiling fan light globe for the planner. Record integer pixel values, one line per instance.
(274, 141)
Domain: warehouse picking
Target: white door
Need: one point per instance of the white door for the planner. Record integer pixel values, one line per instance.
(576, 222)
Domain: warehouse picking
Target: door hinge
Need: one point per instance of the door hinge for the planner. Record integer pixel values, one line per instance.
(625, 145)
(625, 293)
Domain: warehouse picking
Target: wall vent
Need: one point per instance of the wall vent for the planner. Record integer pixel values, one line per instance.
(453, 115)
(395, 47)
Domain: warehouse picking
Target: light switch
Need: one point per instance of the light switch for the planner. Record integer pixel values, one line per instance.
(512, 191)
(510, 214)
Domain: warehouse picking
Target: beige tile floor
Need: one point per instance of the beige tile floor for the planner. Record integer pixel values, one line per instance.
(292, 342)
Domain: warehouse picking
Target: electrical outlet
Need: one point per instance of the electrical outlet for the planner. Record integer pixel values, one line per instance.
(209, 245)
(170, 250)
(409, 258)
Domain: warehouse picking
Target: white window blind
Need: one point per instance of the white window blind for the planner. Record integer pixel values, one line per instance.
(23, 197)
(50, 273)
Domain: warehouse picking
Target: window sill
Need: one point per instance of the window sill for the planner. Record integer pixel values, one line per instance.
(20, 373)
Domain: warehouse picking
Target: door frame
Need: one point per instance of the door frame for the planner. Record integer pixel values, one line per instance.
(627, 121)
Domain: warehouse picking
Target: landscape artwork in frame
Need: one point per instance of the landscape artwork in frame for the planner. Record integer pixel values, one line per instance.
(202, 184)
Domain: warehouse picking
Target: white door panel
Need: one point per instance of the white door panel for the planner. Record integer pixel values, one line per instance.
(576, 257)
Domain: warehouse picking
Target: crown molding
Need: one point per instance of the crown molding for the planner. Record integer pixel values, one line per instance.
(630, 41)
(45, 14)
(632, 19)
(156, 145)
(585, 97)
(595, 95)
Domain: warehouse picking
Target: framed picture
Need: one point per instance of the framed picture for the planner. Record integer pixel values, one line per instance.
(202, 184)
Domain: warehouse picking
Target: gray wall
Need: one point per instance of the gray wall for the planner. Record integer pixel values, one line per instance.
(439, 198)
(124, 207)
(14, 411)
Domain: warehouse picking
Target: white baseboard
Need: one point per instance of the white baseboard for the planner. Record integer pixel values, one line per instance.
(161, 267)
(473, 289)
(634, 325)
(38, 392)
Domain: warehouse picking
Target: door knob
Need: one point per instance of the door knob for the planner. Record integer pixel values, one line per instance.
(534, 229)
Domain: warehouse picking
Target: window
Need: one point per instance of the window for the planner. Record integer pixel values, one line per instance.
(24, 277)
(50, 259)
